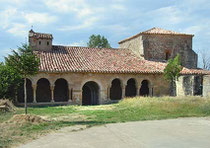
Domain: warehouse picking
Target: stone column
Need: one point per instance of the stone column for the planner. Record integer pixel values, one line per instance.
(138, 90)
(77, 96)
(34, 93)
(108, 92)
(70, 87)
(193, 84)
(52, 87)
(123, 91)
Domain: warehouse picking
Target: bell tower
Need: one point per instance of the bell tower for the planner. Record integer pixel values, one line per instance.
(40, 41)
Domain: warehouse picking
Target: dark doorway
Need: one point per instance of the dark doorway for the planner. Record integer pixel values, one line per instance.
(43, 92)
(29, 91)
(130, 90)
(90, 93)
(198, 86)
(144, 90)
(61, 92)
(116, 90)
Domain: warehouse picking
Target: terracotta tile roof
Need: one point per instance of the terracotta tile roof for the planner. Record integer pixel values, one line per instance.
(100, 60)
(40, 35)
(155, 30)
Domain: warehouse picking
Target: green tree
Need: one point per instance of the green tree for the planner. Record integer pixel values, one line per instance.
(25, 63)
(172, 73)
(9, 82)
(98, 41)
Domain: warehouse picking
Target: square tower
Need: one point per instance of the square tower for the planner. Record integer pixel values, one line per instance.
(40, 41)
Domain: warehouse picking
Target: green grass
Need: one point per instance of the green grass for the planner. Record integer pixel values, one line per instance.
(133, 109)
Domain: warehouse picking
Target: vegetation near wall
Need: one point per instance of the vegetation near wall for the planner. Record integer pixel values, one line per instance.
(9, 82)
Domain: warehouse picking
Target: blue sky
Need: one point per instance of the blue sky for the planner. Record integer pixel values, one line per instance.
(72, 21)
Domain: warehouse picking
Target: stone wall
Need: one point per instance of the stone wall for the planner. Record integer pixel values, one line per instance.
(46, 44)
(157, 85)
(135, 45)
(206, 86)
(155, 47)
(192, 85)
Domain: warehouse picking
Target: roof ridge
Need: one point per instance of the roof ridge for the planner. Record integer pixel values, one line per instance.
(157, 31)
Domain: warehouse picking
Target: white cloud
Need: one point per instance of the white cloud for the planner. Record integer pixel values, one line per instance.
(80, 7)
(168, 15)
(42, 18)
(80, 43)
(194, 29)
(18, 29)
(89, 22)
(118, 7)
(7, 16)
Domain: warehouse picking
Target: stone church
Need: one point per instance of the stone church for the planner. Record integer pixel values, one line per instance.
(91, 76)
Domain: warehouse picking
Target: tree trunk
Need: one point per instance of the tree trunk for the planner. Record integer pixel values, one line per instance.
(25, 96)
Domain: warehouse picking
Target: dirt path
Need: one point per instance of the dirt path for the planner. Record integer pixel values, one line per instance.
(172, 133)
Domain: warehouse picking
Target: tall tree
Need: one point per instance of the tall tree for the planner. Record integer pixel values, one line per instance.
(25, 63)
(98, 41)
(172, 73)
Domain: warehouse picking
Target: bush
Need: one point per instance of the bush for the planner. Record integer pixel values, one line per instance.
(9, 82)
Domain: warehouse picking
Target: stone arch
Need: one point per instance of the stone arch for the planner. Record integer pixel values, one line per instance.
(43, 91)
(29, 91)
(90, 93)
(130, 90)
(144, 90)
(61, 91)
(116, 90)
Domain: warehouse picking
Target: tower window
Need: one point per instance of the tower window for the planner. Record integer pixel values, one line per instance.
(40, 42)
(167, 55)
(48, 43)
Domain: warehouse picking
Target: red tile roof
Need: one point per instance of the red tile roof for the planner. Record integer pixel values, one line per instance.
(100, 60)
(40, 35)
(155, 30)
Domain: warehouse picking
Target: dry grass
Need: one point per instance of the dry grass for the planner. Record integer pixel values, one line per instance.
(16, 128)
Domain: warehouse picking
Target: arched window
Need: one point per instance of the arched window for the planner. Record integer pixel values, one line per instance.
(167, 55)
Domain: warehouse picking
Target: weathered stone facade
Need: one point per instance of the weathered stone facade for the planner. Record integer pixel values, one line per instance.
(162, 47)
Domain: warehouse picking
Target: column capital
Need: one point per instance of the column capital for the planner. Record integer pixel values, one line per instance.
(34, 86)
(52, 87)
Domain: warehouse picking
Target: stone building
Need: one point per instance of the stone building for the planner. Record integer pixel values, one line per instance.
(90, 76)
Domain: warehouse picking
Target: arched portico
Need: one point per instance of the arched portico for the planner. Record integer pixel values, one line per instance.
(61, 91)
(90, 93)
(130, 90)
(116, 90)
(144, 90)
(43, 92)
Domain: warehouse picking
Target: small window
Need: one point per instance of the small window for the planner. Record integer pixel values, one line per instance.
(48, 43)
(40, 42)
(167, 55)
